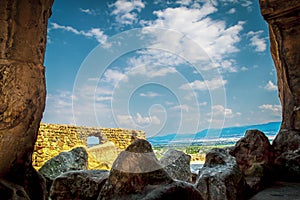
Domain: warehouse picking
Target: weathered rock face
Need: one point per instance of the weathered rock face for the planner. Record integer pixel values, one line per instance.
(177, 164)
(283, 18)
(287, 155)
(254, 156)
(137, 175)
(76, 159)
(106, 153)
(220, 177)
(78, 185)
(23, 28)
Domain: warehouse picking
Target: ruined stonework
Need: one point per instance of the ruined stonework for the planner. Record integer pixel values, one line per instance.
(23, 28)
(54, 138)
(283, 18)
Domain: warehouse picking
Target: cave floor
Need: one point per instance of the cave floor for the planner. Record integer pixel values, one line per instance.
(279, 191)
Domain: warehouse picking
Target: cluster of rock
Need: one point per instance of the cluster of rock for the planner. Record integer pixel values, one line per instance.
(230, 173)
(136, 174)
(53, 139)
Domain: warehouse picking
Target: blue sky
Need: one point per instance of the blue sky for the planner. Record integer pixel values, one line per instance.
(160, 66)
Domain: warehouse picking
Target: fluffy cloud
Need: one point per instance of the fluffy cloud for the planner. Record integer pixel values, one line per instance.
(219, 111)
(184, 2)
(125, 11)
(95, 33)
(150, 94)
(195, 23)
(59, 108)
(274, 109)
(205, 85)
(220, 116)
(181, 108)
(256, 41)
(271, 86)
(114, 76)
(137, 121)
(87, 11)
(231, 11)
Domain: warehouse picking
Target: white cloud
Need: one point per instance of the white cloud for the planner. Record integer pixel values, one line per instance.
(196, 24)
(146, 120)
(114, 76)
(126, 11)
(220, 116)
(203, 103)
(219, 111)
(150, 71)
(153, 63)
(95, 33)
(213, 84)
(59, 108)
(271, 86)
(231, 11)
(244, 68)
(181, 108)
(228, 65)
(102, 98)
(246, 3)
(150, 94)
(87, 11)
(184, 2)
(169, 103)
(125, 120)
(256, 41)
(137, 121)
(275, 109)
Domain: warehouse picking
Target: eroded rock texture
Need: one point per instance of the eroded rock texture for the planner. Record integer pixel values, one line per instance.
(76, 159)
(254, 156)
(78, 185)
(177, 164)
(220, 177)
(137, 175)
(283, 18)
(23, 28)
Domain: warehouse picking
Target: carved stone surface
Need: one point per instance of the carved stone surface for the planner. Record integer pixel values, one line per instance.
(23, 28)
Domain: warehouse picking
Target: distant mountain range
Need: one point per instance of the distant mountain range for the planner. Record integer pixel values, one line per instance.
(223, 136)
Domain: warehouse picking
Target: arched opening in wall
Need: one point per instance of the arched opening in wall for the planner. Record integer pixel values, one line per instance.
(92, 141)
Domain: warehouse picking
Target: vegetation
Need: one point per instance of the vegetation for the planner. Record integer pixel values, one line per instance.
(191, 150)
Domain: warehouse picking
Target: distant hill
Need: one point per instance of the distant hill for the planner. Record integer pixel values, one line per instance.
(214, 136)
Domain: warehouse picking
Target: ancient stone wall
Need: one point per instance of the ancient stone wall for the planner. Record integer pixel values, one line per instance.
(53, 139)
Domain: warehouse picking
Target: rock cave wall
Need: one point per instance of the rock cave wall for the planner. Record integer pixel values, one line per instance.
(53, 139)
(23, 36)
(283, 18)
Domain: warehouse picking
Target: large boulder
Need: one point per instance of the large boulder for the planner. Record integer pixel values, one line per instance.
(287, 155)
(76, 159)
(220, 177)
(78, 185)
(177, 164)
(254, 156)
(105, 153)
(137, 175)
